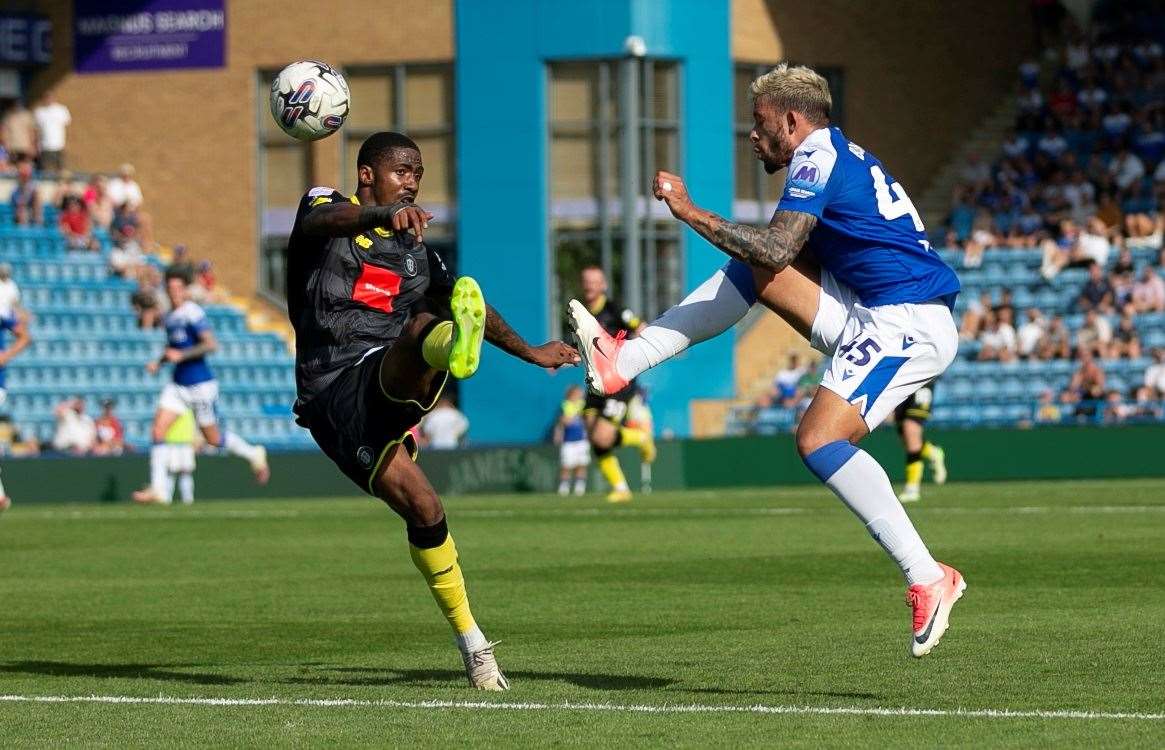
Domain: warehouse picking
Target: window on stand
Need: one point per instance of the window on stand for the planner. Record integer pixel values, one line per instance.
(613, 123)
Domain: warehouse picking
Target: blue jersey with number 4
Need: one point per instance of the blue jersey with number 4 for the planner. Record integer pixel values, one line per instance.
(868, 233)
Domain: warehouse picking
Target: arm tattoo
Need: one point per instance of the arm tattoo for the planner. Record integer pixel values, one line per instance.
(499, 333)
(773, 247)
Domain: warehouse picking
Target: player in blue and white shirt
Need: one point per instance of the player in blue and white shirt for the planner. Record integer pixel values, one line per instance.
(189, 340)
(846, 262)
(12, 321)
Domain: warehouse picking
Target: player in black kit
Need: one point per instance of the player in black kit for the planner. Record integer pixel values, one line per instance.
(380, 325)
(605, 415)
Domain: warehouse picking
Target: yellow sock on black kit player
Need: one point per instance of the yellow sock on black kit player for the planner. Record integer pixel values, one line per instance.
(911, 416)
(380, 325)
(605, 415)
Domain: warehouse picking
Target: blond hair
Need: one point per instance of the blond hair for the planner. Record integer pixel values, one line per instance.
(796, 89)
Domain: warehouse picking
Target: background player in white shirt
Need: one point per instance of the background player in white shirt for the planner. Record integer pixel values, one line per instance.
(867, 290)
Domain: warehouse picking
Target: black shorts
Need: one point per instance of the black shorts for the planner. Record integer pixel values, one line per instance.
(917, 407)
(612, 408)
(355, 422)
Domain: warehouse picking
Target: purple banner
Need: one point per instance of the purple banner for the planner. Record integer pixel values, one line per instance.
(117, 35)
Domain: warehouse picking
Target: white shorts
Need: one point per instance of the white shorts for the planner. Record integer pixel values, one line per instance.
(880, 355)
(180, 458)
(575, 455)
(199, 398)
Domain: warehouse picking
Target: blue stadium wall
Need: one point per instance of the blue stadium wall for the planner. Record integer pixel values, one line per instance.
(502, 161)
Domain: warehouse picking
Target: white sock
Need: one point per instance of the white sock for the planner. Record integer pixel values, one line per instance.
(186, 487)
(580, 486)
(564, 487)
(711, 309)
(167, 494)
(2, 492)
(236, 446)
(159, 457)
(863, 486)
(471, 640)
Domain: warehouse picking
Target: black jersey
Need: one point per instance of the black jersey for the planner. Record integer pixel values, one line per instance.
(613, 317)
(347, 295)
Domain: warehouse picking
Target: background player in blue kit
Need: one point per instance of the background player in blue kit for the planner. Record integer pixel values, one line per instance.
(189, 340)
(14, 322)
(574, 449)
(846, 262)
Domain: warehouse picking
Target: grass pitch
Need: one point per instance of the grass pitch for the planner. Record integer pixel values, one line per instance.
(736, 618)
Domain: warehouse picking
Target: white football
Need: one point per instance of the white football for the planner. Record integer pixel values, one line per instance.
(309, 100)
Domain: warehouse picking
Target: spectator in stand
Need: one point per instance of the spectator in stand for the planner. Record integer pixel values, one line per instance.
(110, 431)
(1124, 262)
(52, 120)
(75, 225)
(1108, 210)
(1095, 336)
(1126, 168)
(76, 432)
(1126, 342)
(444, 427)
(1087, 385)
(26, 206)
(997, 342)
(1057, 344)
(975, 317)
(126, 257)
(1097, 292)
(1031, 333)
(18, 133)
(982, 237)
(146, 301)
(1016, 146)
(9, 291)
(1144, 232)
(1146, 405)
(783, 391)
(123, 220)
(1115, 408)
(1047, 411)
(1149, 292)
(124, 190)
(1088, 245)
(206, 282)
(64, 188)
(181, 264)
(1155, 373)
(97, 200)
(1051, 144)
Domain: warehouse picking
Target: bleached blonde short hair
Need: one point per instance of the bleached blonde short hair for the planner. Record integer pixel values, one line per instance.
(796, 89)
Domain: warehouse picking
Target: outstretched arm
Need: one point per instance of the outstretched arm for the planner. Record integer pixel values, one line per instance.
(21, 339)
(773, 247)
(552, 354)
(347, 219)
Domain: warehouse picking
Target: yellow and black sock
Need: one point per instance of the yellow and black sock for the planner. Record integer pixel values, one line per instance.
(437, 343)
(925, 453)
(914, 468)
(435, 555)
(610, 468)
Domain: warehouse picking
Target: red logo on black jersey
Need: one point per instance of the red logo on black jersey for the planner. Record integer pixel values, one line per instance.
(376, 287)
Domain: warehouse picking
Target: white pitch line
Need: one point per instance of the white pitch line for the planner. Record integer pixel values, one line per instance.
(690, 708)
(211, 513)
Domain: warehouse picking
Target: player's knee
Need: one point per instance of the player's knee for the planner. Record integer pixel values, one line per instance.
(810, 438)
(418, 506)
